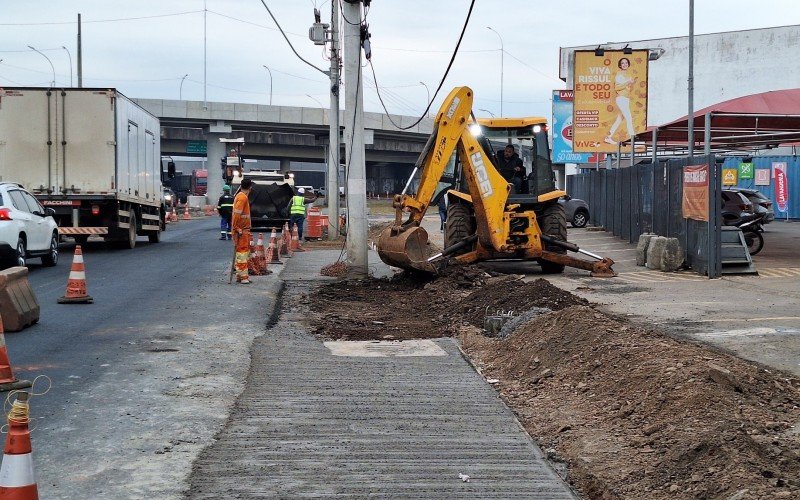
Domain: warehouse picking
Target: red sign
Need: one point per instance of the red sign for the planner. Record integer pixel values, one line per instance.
(781, 189)
(695, 192)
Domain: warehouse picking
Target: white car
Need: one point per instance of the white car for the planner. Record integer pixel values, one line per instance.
(27, 229)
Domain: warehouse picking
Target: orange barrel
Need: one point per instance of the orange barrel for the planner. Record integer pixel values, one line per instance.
(314, 226)
(323, 225)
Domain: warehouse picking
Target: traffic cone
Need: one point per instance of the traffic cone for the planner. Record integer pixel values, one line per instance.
(274, 253)
(76, 284)
(186, 215)
(296, 241)
(174, 215)
(8, 382)
(286, 241)
(17, 481)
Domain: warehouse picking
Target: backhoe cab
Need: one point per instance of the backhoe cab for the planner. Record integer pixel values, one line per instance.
(486, 217)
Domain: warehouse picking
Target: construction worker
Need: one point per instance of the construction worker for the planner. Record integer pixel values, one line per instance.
(297, 212)
(241, 230)
(225, 210)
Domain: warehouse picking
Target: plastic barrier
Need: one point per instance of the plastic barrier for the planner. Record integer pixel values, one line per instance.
(18, 304)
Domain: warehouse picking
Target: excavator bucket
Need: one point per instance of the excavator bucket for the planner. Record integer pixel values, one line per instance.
(406, 248)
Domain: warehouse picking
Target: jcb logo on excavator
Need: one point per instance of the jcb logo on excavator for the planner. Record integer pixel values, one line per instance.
(484, 184)
(452, 110)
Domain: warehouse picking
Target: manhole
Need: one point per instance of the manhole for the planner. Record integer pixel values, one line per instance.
(384, 348)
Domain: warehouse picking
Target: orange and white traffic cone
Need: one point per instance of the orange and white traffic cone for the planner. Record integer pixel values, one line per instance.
(286, 241)
(76, 284)
(274, 251)
(17, 481)
(262, 256)
(8, 382)
(296, 241)
(186, 215)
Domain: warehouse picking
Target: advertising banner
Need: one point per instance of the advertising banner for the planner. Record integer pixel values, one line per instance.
(781, 186)
(562, 129)
(729, 176)
(695, 192)
(610, 99)
(746, 170)
(762, 176)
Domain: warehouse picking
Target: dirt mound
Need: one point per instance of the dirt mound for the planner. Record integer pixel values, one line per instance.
(638, 414)
(409, 305)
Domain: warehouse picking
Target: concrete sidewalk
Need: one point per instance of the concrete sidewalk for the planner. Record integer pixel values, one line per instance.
(383, 418)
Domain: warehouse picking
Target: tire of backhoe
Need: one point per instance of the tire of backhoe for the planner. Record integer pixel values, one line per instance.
(553, 223)
(458, 226)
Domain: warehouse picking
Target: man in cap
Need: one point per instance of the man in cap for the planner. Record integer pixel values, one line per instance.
(241, 230)
(225, 210)
(297, 212)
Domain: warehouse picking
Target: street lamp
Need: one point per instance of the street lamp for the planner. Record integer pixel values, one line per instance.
(428, 102)
(70, 64)
(318, 101)
(270, 83)
(180, 89)
(502, 51)
(48, 60)
(481, 109)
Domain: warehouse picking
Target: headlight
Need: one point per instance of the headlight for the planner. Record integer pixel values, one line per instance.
(537, 129)
(475, 130)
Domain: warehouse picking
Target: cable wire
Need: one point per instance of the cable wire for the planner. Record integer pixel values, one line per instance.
(441, 83)
(289, 42)
(105, 20)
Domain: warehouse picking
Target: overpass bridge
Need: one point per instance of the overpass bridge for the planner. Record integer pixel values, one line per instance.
(295, 137)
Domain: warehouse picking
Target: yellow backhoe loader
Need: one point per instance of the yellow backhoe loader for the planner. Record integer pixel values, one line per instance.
(486, 219)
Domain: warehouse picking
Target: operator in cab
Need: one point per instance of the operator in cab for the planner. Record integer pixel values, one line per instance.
(510, 166)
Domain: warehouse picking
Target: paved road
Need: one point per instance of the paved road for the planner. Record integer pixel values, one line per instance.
(143, 378)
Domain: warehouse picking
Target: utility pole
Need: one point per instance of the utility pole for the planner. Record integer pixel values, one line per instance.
(354, 141)
(333, 119)
(690, 115)
(205, 54)
(80, 55)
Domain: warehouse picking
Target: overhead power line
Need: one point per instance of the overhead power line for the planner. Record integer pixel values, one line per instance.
(289, 42)
(138, 18)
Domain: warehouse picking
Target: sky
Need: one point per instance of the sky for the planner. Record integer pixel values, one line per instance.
(412, 42)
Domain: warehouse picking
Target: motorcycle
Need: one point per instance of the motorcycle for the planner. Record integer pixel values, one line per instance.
(752, 226)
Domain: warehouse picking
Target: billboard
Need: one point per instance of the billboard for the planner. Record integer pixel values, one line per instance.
(695, 192)
(610, 103)
(562, 129)
(781, 186)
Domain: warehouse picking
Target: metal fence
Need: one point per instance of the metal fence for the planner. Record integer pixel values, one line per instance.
(646, 198)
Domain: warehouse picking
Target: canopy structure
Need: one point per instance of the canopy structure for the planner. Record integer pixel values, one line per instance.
(758, 121)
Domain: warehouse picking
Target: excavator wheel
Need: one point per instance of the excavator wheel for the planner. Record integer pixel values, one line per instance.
(459, 225)
(553, 223)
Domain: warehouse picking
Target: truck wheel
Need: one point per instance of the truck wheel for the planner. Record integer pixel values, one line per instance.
(154, 236)
(131, 240)
(553, 223)
(459, 226)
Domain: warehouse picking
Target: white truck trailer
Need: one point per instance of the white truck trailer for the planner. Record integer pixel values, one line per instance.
(91, 154)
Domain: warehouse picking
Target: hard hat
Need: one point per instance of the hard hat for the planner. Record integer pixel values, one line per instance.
(301, 191)
(226, 187)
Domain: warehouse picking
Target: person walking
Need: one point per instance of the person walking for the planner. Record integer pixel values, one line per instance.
(297, 212)
(241, 230)
(225, 210)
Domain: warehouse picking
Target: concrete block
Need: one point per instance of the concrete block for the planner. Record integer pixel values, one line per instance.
(290, 114)
(312, 116)
(373, 121)
(196, 201)
(269, 114)
(655, 251)
(672, 258)
(18, 305)
(641, 248)
(245, 112)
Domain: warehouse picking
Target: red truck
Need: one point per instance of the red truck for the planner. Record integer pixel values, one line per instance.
(199, 182)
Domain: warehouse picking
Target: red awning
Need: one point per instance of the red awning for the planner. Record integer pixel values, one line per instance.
(757, 121)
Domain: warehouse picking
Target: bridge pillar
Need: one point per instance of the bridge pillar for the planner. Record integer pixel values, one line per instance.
(215, 152)
(285, 165)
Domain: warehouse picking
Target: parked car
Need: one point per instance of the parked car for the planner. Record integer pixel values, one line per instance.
(27, 229)
(735, 205)
(761, 204)
(577, 211)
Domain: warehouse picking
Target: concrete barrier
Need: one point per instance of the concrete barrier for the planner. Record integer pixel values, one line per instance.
(18, 304)
(641, 248)
(655, 252)
(672, 257)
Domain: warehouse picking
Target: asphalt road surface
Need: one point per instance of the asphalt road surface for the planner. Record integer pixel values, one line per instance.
(143, 377)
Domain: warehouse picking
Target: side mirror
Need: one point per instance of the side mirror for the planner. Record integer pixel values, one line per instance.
(171, 169)
(49, 212)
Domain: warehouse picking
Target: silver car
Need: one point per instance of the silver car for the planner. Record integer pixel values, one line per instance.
(27, 229)
(577, 211)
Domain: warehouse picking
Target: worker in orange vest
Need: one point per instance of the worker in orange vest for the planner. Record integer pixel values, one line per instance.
(241, 230)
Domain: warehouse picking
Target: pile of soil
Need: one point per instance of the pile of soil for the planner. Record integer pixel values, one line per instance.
(638, 414)
(412, 306)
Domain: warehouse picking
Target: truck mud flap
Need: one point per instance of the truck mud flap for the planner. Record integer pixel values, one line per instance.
(18, 304)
